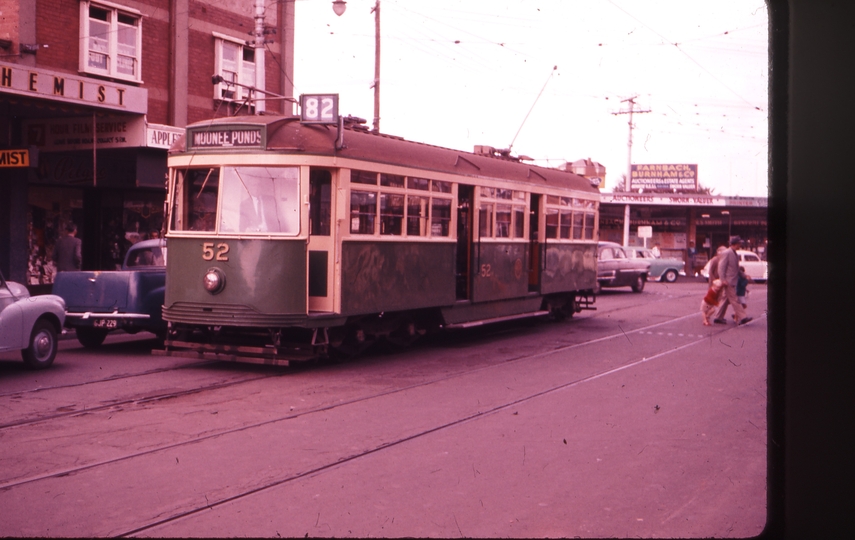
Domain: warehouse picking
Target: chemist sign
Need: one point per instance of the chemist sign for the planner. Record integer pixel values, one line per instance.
(670, 177)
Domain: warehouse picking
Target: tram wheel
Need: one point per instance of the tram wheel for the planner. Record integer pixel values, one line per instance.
(407, 333)
(348, 341)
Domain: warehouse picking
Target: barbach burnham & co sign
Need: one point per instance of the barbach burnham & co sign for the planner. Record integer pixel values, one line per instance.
(680, 177)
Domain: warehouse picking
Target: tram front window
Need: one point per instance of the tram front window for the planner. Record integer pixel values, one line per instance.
(260, 200)
(196, 193)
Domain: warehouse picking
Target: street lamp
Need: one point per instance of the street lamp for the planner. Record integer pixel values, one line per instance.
(338, 7)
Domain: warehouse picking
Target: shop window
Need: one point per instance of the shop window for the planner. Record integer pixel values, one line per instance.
(110, 41)
(238, 63)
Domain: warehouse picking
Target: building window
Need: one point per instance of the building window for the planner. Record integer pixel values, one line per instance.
(239, 63)
(110, 41)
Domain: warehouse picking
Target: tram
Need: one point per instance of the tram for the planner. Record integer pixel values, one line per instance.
(291, 240)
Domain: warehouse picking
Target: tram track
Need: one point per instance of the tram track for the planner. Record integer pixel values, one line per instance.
(307, 412)
(497, 330)
(136, 457)
(210, 505)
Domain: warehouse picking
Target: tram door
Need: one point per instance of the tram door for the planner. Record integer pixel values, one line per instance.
(465, 196)
(321, 241)
(534, 244)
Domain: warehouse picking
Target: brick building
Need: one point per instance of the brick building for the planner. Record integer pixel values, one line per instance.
(93, 92)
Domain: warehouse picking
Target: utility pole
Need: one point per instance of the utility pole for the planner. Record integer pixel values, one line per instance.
(630, 112)
(376, 11)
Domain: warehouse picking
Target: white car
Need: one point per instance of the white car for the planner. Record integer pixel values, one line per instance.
(30, 323)
(756, 268)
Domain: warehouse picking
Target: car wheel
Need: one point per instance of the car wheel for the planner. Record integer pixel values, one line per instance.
(638, 286)
(670, 276)
(91, 338)
(598, 288)
(42, 347)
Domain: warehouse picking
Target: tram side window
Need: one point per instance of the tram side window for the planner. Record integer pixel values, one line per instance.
(589, 226)
(417, 214)
(502, 213)
(363, 177)
(440, 217)
(391, 213)
(503, 221)
(261, 200)
(363, 209)
(552, 222)
(320, 209)
(198, 189)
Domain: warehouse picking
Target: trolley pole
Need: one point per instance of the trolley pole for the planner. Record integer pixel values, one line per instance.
(630, 112)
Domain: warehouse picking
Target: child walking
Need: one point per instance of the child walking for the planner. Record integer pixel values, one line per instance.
(742, 282)
(711, 301)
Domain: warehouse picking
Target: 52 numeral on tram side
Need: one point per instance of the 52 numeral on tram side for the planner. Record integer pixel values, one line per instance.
(211, 252)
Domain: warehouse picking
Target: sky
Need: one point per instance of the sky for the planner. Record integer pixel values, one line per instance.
(545, 79)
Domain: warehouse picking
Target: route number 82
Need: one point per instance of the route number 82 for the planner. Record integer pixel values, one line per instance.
(319, 108)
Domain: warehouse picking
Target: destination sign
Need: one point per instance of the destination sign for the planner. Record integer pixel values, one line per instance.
(222, 137)
(15, 158)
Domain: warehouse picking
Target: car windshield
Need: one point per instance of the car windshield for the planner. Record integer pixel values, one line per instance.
(153, 256)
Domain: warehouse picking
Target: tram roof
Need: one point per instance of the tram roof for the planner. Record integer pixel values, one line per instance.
(290, 135)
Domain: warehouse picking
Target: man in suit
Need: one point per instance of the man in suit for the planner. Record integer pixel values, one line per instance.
(67, 254)
(728, 272)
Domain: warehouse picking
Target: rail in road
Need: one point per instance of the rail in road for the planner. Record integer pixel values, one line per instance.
(158, 451)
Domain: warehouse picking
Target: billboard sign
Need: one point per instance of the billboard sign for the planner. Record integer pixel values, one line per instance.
(680, 177)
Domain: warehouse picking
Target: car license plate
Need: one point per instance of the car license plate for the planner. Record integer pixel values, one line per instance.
(105, 323)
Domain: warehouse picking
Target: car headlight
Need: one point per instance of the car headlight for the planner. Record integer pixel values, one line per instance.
(214, 280)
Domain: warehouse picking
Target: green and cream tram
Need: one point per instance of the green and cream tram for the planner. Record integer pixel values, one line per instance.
(291, 240)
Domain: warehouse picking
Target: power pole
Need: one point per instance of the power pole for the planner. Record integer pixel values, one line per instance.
(630, 112)
(376, 11)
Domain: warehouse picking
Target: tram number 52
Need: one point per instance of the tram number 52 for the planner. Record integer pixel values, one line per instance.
(210, 252)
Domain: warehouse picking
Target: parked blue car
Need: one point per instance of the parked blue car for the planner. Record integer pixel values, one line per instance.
(661, 268)
(130, 299)
(30, 323)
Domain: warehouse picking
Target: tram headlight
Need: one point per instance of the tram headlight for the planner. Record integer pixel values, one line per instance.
(214, 280)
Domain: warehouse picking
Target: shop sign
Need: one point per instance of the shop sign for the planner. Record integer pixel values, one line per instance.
(16, 157)
(668, 176)
(161, 136)
(682, 200)
(82, 133)
(57, 86)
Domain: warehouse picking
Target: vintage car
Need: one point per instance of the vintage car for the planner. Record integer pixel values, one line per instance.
(661, 268)
(129, 299)
(30, 323)
(616, 269)
(756, 268)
